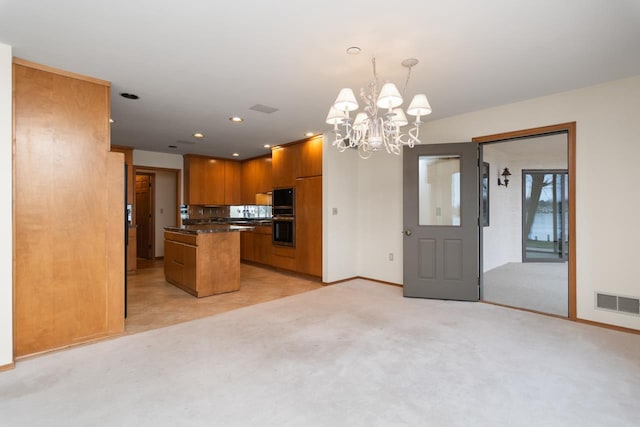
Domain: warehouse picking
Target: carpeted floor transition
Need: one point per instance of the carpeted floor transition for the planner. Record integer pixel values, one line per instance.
(540, 286)
(353, 354)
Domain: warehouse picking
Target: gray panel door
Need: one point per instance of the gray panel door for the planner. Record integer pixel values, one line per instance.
(440, 248)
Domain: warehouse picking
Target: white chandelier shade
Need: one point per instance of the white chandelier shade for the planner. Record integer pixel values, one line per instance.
(419, 106)
(389, 96)
(335, 116)
(381, 119)
(399, 118)
(346, 100)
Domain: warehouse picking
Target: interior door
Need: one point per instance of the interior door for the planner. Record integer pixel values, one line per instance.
(441, 221)
(144, 215)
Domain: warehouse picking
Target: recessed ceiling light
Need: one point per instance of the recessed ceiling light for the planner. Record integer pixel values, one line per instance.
(267, 146)
(129, 95)
(235, 154)
(198, 135)
(173, 146)
(236, 119)
(111, 121)
(354, 50)
(309, 134)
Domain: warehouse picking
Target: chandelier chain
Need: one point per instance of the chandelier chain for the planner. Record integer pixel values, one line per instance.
(406, 83)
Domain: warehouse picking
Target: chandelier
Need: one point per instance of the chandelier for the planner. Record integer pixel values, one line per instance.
(381, 121)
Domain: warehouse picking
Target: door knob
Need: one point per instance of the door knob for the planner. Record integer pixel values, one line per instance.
(407, 232)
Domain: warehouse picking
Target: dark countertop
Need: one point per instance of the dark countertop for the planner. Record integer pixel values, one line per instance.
(254, 222)
(208, 228)
(251, 222)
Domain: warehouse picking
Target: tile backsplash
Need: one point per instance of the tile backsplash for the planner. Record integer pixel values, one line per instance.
(237, 211)
(250, 211)
(203, 212)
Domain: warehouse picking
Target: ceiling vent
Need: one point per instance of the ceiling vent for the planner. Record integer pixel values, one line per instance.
(263, 108)
(186, 142)
(627, 305)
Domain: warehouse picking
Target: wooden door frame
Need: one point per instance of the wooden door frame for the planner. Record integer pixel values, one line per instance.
(570, 129)
(178, 173)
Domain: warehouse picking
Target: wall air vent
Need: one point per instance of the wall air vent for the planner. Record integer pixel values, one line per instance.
(629, 305)
(263, 108)
(621, 304)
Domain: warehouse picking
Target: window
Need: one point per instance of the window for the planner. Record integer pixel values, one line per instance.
(439, 190)
(545, 216)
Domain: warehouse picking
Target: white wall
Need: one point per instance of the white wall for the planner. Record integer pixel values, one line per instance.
(380, 217)
(607, 193)
(339, 186)
(500, 240)
(165, 206)
(143, 158)
(6, 224)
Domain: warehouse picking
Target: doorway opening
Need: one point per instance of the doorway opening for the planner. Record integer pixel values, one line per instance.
(162, 208)
(528, 248)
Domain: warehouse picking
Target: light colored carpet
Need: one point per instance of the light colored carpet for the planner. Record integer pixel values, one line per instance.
(539, 286)
(353, 354)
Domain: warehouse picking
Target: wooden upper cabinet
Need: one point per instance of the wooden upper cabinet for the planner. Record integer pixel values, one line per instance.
(311, 157)
(285, 163)
(264, 181)
(232, 183)
(249, 169)
(204, 180)
(256, 178)
(299, 160)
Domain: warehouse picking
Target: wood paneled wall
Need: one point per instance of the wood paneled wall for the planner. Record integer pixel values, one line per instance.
(128, 159)
(68, 211)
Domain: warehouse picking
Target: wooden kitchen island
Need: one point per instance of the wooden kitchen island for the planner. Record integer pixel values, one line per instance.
(203, 260)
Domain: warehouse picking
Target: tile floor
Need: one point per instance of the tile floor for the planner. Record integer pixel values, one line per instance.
(154, 303)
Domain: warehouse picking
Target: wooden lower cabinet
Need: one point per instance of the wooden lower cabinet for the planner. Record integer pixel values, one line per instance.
(180, 265)
(203, 264)
(247, 246)
(263, 246)
(283, 257)
(255, 246)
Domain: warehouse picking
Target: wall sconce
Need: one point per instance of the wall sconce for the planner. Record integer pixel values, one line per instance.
(505, 176)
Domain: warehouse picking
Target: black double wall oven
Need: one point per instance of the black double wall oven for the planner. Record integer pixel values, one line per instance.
(284, 219)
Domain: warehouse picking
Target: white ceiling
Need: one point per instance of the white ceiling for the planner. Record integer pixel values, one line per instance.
(195, 63)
